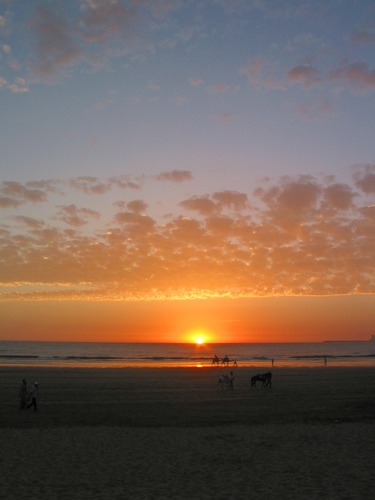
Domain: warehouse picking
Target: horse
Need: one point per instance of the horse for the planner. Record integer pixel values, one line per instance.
(264, 378)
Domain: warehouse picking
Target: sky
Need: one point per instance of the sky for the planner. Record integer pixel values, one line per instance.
(182, 168)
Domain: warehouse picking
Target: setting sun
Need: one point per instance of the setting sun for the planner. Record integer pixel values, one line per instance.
(199, 340)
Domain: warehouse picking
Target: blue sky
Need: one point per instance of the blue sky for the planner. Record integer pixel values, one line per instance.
(144, 143)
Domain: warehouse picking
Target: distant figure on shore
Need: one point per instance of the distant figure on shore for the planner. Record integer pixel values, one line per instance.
(23, 395)
(34, 397)
(231, 380)
(272, 361)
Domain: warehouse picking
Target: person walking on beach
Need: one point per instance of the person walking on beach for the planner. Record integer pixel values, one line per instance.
(23, 395)
(34, 397)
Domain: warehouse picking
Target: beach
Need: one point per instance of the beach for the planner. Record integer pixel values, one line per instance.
(175, 433)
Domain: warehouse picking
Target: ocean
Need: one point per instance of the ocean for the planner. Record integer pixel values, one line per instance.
(117, 355)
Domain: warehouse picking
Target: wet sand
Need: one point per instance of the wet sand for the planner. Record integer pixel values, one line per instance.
(174, 433)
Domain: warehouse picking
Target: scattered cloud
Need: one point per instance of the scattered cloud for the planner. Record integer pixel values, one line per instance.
(314, 108)
(306, 76)
(74, 216)
(56, 47)
(357, 75)
(295, 235)
(364, 178)
(195, 81)
(20, 193)
(175, 176)
(201, 204)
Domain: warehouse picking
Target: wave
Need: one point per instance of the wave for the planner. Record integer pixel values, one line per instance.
(332, 356)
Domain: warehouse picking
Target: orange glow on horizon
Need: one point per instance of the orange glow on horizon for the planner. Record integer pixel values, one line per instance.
(264, 320)
(199, 337)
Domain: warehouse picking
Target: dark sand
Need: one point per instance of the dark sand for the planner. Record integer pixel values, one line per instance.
(173, 433)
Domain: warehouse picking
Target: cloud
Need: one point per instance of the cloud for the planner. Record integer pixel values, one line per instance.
(232, 199)
(74, 216)
(295, 235)
(19, 193)
(7, 202)
(306, 76)
(137, 206)
(30, 222)
(56, 47)
(357, 75)
(339, 196)
(90, 185)
(292, 195)
(200, 204)
(313, 109)
(175, 176)
(364, 178)
(263, 74)
(195, 81)
(103, 18)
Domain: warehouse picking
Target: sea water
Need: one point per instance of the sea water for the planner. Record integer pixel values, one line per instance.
(113, 355)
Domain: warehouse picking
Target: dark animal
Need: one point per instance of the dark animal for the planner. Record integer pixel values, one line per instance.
(225, 361)
(216, 361)
(264, 378)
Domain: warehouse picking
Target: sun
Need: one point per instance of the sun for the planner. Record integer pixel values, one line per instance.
(198, 336)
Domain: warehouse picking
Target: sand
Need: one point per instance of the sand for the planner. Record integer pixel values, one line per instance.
(175, 434)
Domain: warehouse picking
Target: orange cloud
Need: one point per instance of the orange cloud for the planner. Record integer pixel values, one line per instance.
(300, 235)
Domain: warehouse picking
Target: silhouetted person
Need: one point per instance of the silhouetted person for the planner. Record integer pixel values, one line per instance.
(231, 380)
(23, 395)
(34, 397)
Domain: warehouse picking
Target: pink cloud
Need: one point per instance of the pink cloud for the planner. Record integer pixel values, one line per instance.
(195, 81)
(306, 76)
(356, 74)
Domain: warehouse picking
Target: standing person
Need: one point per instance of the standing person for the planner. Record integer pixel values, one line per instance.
(23, 395)
(231, 380)
(34, 397)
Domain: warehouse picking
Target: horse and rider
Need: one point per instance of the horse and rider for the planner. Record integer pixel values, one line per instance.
(223, 361)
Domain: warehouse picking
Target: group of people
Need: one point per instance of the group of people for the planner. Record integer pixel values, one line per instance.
(227, 380)
(28, 399)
